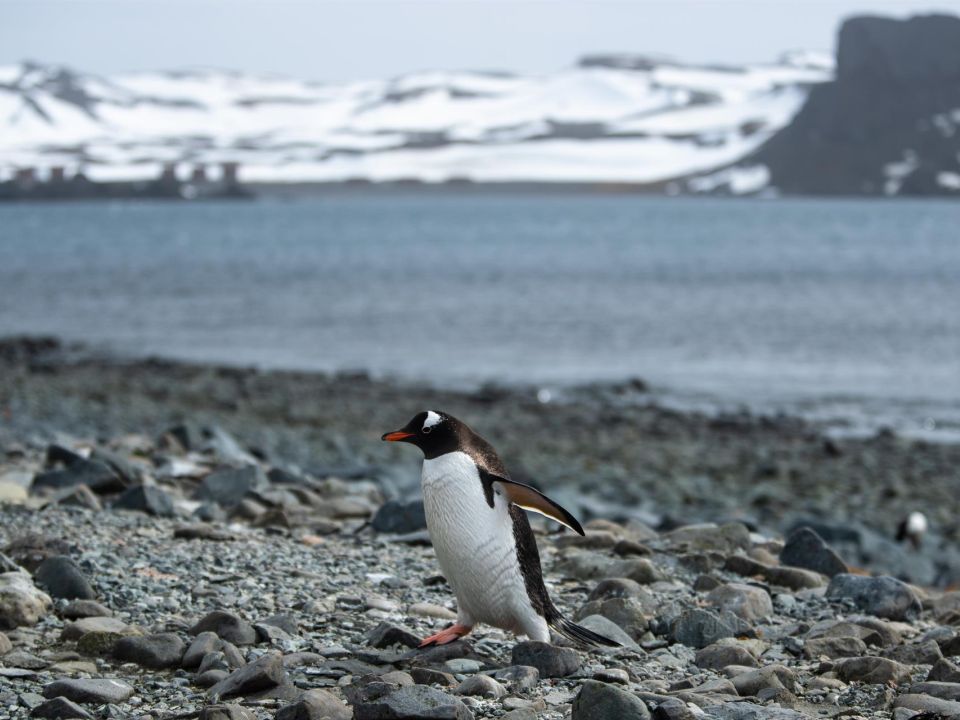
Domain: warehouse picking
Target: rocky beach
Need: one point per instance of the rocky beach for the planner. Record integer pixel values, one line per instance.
(192, 541)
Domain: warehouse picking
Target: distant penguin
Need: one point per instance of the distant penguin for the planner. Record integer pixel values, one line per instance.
(481, 535)
(912, 528)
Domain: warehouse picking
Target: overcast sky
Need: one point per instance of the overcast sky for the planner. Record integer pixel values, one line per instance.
(366, 38)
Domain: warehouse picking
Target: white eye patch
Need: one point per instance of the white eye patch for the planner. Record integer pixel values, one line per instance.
(432, 419)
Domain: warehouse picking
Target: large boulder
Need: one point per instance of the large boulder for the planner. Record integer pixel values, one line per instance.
(883, 596)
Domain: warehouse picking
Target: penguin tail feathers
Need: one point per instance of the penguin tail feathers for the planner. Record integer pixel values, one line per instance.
(579, 634)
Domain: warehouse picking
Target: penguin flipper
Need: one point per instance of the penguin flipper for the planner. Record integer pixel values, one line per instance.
(529, 498)
(580, 634)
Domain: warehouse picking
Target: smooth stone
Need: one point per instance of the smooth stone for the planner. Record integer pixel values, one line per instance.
(788, 577)
(262, 674)
(315, 704)
(922, 653)
(771, 676)
(210, 678)
(227, 487)
(750, 711)
(79, 609)
(97, 643)
(73, 667)
(944, 671)
(213, 661)
(698, 628)
(226, 626)
(618, 588)
(673, 709)
(872, 669)
(942, 690)
(386, 634)
(226, 712)
(431, 610)
(5, 644)
(21, 603)
(804, 548)
(883, 596)
(418, 702)
(626, 613)
(398, 517)
(745, 601)
(60, 708)
(926, 704)
(480, 686)
(62, 578)
(463, 666)
(429, 676)
(204, 643)
(724, 539)
(146, 498)
(519, 677)
(78, 628)
(97, 476)
(162, 650)
(720, 655)
(834, 647)
(602, 701)
(89, 691)
(549, 660)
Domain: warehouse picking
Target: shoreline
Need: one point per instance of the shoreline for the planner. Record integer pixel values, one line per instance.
(604, 450)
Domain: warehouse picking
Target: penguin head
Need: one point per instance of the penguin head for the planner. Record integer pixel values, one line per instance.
(433, 432)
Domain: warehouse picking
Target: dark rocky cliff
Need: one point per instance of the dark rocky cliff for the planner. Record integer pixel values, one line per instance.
(890, 121)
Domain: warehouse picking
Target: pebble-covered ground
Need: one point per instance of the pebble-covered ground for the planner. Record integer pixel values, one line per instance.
(172, 547)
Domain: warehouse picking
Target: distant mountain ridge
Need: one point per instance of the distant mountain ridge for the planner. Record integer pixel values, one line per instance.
(886, 123)
(619, 119)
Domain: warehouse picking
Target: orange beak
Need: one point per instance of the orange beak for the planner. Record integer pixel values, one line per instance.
(396, 436)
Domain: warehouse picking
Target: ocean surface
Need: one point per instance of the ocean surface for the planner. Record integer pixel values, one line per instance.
(848, 311)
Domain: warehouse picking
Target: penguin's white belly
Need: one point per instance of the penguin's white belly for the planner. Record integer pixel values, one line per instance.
(475, 546)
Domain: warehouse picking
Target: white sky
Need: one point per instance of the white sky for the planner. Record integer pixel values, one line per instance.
(375, 38)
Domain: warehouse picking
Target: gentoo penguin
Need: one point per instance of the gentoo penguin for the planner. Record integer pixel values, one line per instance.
(913, 528)
(481, 535)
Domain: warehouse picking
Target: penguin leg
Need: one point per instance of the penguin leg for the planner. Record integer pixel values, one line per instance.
(447, 635)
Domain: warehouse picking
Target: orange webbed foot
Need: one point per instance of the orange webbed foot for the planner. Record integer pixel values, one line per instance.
(447, 635)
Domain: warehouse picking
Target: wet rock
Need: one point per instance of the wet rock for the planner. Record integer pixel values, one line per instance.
(519, 677)
(673, 709)
(62, 578)
(78, 628)
(834, 647)
(386, 634)
(769, 677)
(721, 655)
(549, 660)
(788, 577)
(923, 653)
(21, 603)
(698, 628)
(942, 690)
(85, 608)
(204, 643)
(882, 596)
(89, 691)
(745, 601)
(418, 702)
(226, 712)
(724, 539)
(618, 588)
(59, 708)
(871, 669)
(146, 498)
(626, 613)
(481, 686)
(226, 626)
(262, 674)
(939, 709)
(162, 650)
(98, 476)
(805, 549)
(399, 517)
(750, 711)
(601, 701)
(227, 487)
(944, 671)
(429, 676)
(315, 705)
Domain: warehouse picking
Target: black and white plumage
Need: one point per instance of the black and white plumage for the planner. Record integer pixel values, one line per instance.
(481, 535)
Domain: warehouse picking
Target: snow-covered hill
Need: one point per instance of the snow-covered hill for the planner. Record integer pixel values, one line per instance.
(611, 119)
